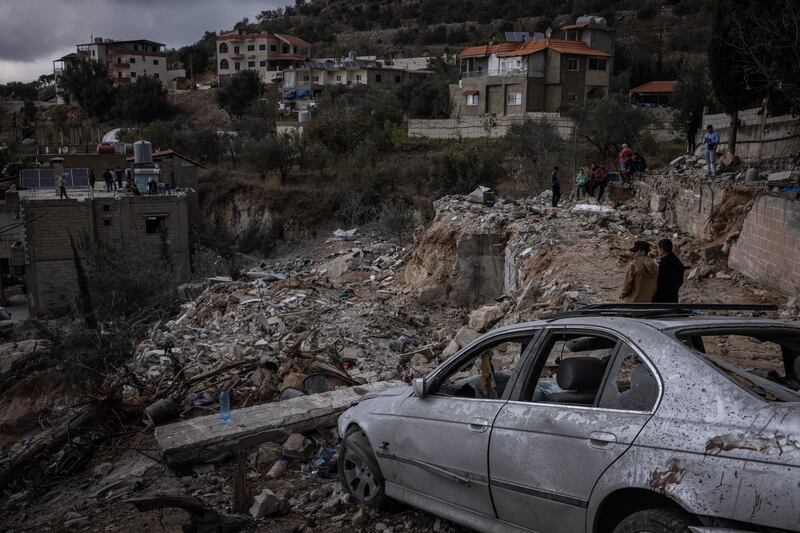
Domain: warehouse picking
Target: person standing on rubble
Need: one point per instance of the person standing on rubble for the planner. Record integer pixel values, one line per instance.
(109, 180)
(555, 182)
(642, 276)
(592, 185)
(670, 274)
(600, 182)
(581, 183)
(625, 160)
(710, 143)
(62, 188)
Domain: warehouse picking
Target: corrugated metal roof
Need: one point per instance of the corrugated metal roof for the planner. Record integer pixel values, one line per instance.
(655, 87)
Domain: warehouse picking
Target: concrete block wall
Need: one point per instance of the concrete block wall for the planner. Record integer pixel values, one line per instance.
(481, 126)
(768, 249)
(781, 136)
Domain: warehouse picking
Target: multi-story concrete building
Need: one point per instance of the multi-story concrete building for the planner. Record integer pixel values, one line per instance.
(35, 244)
(537, 74)
(266, 53)
(126, 61)
(312, 76)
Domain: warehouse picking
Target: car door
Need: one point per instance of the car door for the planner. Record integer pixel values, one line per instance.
(551, 444)
(440, 442)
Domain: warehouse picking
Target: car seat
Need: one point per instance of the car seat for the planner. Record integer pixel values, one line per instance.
(580, 378)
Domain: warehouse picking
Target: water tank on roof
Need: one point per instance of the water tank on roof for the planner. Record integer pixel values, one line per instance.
(591, 19)
(142, 152)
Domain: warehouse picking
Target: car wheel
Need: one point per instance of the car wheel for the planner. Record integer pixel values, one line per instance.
(655, 521)
(359, 471)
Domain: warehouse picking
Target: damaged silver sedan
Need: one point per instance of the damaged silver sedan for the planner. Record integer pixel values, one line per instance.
(617, 421)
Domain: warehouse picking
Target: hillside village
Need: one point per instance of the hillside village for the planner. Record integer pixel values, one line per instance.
(208, 253)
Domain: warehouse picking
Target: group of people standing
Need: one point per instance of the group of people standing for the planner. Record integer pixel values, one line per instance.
(647, 281)
(114, 178)
(595, 181)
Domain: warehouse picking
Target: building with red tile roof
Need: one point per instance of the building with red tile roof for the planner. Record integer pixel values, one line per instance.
(538, 73)
(654, 93)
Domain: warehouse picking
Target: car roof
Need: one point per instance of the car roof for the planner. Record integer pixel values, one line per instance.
(660, 324)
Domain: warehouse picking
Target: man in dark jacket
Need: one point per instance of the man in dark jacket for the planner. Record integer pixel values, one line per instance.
(670, 274)
(555, 182)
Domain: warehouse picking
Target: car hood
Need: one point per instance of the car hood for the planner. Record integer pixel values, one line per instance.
(773, 437)
(397, 391)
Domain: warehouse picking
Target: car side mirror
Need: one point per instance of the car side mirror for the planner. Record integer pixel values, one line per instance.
(419, 386)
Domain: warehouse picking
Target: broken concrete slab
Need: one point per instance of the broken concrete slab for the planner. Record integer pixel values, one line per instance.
(204, 438)
(465, 336)
(787, 176)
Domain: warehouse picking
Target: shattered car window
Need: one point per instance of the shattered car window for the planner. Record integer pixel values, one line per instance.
(486, 374)
(765, 363)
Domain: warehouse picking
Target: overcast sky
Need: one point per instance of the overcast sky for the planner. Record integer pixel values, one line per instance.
(35, 32)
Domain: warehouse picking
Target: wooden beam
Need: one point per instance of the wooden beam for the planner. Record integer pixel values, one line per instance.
(205, 438)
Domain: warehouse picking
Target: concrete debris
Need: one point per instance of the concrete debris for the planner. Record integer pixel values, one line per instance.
(298, 447)
(482, 195)
(204, 438)
(786, 176)
(267, 503)
(485, 317)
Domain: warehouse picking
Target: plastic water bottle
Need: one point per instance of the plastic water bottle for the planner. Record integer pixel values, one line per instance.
(225, 406)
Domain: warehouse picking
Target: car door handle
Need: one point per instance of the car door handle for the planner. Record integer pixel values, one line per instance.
(601, 439)
(478, 425)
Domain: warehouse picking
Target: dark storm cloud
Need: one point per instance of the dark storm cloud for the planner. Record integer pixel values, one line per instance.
(34, 32)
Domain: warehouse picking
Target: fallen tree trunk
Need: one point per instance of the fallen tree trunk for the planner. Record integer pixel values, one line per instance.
(205, 438)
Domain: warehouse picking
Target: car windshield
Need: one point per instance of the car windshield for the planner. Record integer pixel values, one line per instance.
(765, 362)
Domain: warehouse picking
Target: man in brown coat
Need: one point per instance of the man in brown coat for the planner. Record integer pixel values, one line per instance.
(641, 280)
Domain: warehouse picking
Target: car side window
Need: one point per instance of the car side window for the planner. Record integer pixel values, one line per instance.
(485, 372)
(570, 368)
(631, 384)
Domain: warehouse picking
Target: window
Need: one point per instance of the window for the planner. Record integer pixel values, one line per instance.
(236, 66)
(223, 65)
(338, 78)
(514, 98)
(572, 98)
(631, 384)
(596, 63)
(155, 61)
(106, 222)
(133, 74)
(571, 369)
(572, 35)
(485, 372)
(572, 64)
(472, 99)
(106, 207)
(132, 60)
(251, 48)
(92, 53)
(235, 49)
(273, 48)
(262, 63)
(397, 78)
(155, 75)
(251, 64)
(305, 78)
(153, 224)
(377, 78)
(223, 48)
(358, 77)
(765, 362)
(262, 47)
(316, 79)
(285, 48)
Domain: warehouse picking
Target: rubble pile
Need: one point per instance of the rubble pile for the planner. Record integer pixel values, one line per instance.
(332, 322)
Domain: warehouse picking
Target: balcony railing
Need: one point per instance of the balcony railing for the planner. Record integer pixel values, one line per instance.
(506, 72)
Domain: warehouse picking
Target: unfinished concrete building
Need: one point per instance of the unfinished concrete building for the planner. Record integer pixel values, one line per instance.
(38, 226)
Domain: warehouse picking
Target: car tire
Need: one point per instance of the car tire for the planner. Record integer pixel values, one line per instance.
(655, 521)
(359, 472)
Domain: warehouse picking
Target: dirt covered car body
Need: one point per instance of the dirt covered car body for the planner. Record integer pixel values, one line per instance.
(590, 423)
